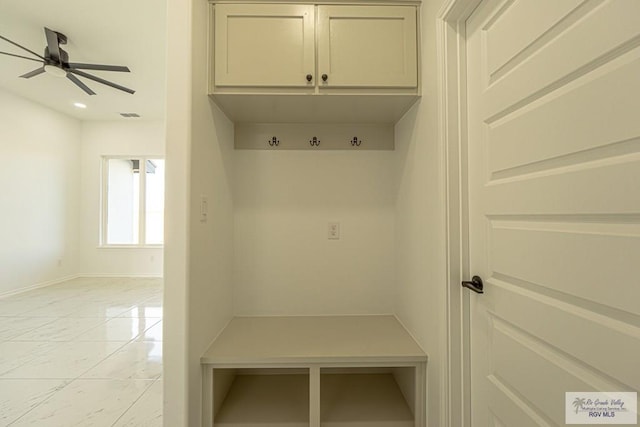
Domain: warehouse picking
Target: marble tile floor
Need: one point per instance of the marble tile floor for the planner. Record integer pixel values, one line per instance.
(86, 352)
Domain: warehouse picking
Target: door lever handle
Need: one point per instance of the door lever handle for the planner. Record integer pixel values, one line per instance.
(475, 285)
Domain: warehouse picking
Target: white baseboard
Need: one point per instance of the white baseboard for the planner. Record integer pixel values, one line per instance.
(74, 276)
(38, 286)
(133, 276)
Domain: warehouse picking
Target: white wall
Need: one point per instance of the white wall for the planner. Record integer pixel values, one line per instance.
(177, 208)
(284, 264)
(199, 265)
(39, 152)
(420, 302)
(114, 138)
(210, 300)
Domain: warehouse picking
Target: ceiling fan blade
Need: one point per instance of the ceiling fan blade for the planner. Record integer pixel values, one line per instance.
(19, 56)
(53, 44)
(81, 85)
(100, 67)
(21, 47)
(103, 81)
(33, 73)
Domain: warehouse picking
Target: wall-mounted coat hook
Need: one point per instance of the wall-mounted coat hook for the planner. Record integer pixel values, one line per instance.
(314, 142)
(356, 142)
(274, 142)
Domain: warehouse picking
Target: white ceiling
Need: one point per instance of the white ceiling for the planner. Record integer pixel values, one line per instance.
(113, 32)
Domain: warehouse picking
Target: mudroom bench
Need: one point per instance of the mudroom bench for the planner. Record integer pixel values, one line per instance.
(329, 371)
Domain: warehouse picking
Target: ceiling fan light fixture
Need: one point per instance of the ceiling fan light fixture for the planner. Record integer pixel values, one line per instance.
(55, 71)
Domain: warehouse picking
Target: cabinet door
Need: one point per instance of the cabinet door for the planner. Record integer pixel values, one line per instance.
(264, 45)
(367, 46)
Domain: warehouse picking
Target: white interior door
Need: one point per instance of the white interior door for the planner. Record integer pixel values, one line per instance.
(554, 204)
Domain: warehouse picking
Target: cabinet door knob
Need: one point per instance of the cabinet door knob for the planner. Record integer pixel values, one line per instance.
(325, 77)
(309, 77)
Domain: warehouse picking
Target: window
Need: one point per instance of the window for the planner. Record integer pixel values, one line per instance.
(133, 201)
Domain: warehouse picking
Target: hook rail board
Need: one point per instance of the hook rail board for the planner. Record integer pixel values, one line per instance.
(303, 136)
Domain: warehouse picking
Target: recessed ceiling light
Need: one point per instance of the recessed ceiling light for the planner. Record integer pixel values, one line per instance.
(79, 105)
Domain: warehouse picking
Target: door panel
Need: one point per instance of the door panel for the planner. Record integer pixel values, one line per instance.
(576, 188)
(600, 33)
(521, 360)
(532, 135)
(554, 204)
(509, 409)
(518, 25)
(582, 259)
(571, 330)
(264, 45)
(367, 46)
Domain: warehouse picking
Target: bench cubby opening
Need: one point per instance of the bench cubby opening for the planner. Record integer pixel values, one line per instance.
(376, 397)
(261, 397)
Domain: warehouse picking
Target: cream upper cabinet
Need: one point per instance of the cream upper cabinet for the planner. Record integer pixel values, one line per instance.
(264, 45)
(284, 62)
(367, 46)
(274, 45)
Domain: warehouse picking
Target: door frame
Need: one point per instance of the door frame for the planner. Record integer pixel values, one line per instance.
(452, 140)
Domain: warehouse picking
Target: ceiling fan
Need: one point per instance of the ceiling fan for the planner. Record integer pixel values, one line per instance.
(55, 61)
